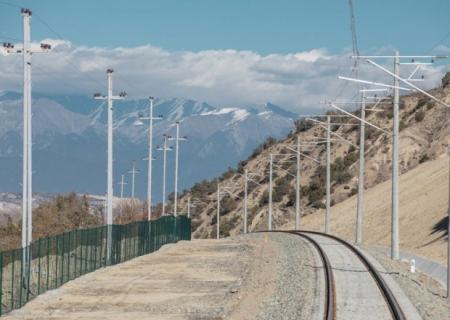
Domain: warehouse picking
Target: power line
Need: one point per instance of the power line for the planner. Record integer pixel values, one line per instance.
(83, 73)
(82, 53)
(59, 80)
(9, 4)
(442, 40)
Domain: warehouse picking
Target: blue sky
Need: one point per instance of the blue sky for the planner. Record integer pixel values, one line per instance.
(227, 53)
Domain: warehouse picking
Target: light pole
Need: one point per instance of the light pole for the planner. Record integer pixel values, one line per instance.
(164, 149)
(109, 191)
(177, 138)
(133, 171)
(150, 119)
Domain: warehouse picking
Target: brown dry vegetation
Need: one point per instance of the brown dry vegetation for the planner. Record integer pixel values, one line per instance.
(69, 212)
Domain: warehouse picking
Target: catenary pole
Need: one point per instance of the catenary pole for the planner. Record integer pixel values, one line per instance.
(269, 220)
(359, 211)
(395, 146)
(327, 212)
(448, 239)
(189, 207)
(218, 211)
(297, 188)
(245, 200)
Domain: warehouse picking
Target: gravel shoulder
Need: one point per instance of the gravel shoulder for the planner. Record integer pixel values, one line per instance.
(202, 279)
(243, 277)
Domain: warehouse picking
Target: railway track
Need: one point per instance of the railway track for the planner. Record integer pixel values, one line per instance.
(354, 288)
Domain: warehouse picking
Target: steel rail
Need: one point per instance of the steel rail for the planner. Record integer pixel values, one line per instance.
(330, 296)
(394, 307)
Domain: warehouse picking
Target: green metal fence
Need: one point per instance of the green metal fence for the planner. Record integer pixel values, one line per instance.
(56, 260)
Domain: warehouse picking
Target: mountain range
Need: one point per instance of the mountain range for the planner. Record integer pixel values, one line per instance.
(70, 141)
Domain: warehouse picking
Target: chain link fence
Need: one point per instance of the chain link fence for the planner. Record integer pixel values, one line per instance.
(49, 263)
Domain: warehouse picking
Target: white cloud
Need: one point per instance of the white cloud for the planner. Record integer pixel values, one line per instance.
(222, 78)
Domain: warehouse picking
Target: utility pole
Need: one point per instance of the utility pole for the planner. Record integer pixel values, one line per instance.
(359, 210)
(164, 149)
(269, 220)
(27, 210)
(133, 171)
(110, 98)
(122, 183)
(177, 138)
(150, 119)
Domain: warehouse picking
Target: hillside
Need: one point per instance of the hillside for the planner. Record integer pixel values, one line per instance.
(423, 165)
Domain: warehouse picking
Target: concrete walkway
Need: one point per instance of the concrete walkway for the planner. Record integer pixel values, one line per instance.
(430, 267)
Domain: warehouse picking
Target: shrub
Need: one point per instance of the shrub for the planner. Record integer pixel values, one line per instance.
(319, 205)
(421, 103)
(430, 105)
(424, 158)
(302, 125)
(419, 116)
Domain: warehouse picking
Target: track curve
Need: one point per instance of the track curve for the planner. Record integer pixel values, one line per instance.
(332, 245)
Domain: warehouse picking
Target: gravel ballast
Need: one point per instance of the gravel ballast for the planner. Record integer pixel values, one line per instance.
(295, 284)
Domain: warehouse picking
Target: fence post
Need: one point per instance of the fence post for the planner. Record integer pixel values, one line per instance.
(1, 282)
(62, 257)
(48, 261)
(39, 267)
(13, 258)
(75, 249)
(101, 247)
(21, 278)
(56, 261)
(95, 247)
(30, 260)
(69, 236)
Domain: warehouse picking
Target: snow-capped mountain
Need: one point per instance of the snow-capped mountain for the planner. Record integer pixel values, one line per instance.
(70, 141)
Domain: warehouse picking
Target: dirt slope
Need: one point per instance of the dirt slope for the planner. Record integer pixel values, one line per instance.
(423, 196)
